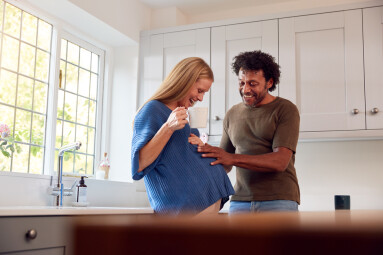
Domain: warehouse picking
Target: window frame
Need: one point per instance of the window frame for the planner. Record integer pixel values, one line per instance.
(61, 30)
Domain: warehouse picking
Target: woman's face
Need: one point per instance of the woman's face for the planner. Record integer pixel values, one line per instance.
(196, 93)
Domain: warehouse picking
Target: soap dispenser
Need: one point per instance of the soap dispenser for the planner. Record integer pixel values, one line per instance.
(81, 191)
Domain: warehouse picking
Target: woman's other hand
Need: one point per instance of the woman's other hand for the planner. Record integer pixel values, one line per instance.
(177, 119)
(193, 139)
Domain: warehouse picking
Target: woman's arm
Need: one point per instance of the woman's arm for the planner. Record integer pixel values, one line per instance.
(149, 153)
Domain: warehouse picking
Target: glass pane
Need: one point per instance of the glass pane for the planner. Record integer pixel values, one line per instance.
(40, 97)
(71, 78)
(73, 53)
(68, 133)
(60, 104)
(7, 116)
(82, 110)
(63, 49)
(12, 20)
(82, 136)
(70, 107)
(1, 25)
(27, 60)
(23, 126)
(38, 129)
(8, 87)
(85, 57)
(36, 160)
(44, 37)
(92, 113)
(63, 73)
(5, 164)
(42, 65)
(29, 28)
(10, 53)
(84, 82)
(90, 140)
(89, 165)
(68, 162)
(59, 132)
(25, 92)
(94, 63)
(21, 159)
(80, 164)
(93, 86)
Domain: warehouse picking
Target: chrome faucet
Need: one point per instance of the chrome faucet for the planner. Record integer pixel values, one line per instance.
(59, 190)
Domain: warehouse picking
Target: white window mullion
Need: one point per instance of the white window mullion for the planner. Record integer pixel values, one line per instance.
(49, 159)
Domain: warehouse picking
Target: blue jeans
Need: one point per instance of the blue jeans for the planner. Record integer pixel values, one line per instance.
(262, 206)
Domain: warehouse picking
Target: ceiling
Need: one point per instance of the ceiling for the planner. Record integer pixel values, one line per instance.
(194, 7)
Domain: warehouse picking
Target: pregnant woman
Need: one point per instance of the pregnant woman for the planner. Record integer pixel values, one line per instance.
(177, 179)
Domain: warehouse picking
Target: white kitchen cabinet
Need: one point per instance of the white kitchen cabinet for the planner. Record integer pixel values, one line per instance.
(321, 58)
(161, 52)
(227, 42)
(373, 56)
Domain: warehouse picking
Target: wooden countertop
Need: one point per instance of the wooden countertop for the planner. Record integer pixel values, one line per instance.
(335, 232)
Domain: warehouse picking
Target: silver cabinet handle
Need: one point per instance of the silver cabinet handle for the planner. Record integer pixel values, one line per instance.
(375, 110)
(355, 111)
(31, 234)
(217, 118)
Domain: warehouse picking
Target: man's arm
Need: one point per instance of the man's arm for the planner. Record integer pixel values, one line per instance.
(276, 161)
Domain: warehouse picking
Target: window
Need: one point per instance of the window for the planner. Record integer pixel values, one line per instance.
(77, 103)
(27, 44)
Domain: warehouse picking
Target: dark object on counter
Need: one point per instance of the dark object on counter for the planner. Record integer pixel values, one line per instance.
(342, 202)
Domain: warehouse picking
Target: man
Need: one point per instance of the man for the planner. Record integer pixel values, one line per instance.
(260, 136)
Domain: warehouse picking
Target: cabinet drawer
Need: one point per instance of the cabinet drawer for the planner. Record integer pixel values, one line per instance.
(51, 232)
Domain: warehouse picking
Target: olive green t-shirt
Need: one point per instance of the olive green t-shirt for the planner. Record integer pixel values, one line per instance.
(257, 130)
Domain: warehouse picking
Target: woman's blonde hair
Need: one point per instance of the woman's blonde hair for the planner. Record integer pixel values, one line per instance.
(180, 80)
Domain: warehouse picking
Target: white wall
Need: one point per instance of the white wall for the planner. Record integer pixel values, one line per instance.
(352, 168)
(128, 16)
(251, 11)
(123, 109)
(167, 17)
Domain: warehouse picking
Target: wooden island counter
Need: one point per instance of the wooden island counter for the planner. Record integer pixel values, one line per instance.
(336, 232)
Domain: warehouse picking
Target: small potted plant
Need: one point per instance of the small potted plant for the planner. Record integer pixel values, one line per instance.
(6, 141)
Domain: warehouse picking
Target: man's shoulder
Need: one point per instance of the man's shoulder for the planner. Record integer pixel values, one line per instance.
(285, 103)
(236, 108)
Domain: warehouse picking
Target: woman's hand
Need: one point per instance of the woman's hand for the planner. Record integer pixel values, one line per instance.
(193, 139)
(177, 119)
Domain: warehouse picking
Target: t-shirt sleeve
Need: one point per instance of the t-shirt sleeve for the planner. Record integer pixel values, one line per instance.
(146, 124)
(226, 143)
(287, 131)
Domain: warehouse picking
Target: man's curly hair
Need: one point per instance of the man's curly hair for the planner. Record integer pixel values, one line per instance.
(255, 61)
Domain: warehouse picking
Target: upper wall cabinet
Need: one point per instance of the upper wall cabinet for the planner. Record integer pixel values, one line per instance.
(331, 67)
(321, 59)
(227, 42)
(161, 52)
(373, 56)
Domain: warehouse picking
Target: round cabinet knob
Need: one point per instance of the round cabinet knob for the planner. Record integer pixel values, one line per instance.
(31, 234)
(355, 111)
(375, 110)
(217, 118)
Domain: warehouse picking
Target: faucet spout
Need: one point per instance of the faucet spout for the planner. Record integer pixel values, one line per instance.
(60, 186)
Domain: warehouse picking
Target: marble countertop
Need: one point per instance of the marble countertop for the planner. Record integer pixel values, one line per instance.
(68, 210)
